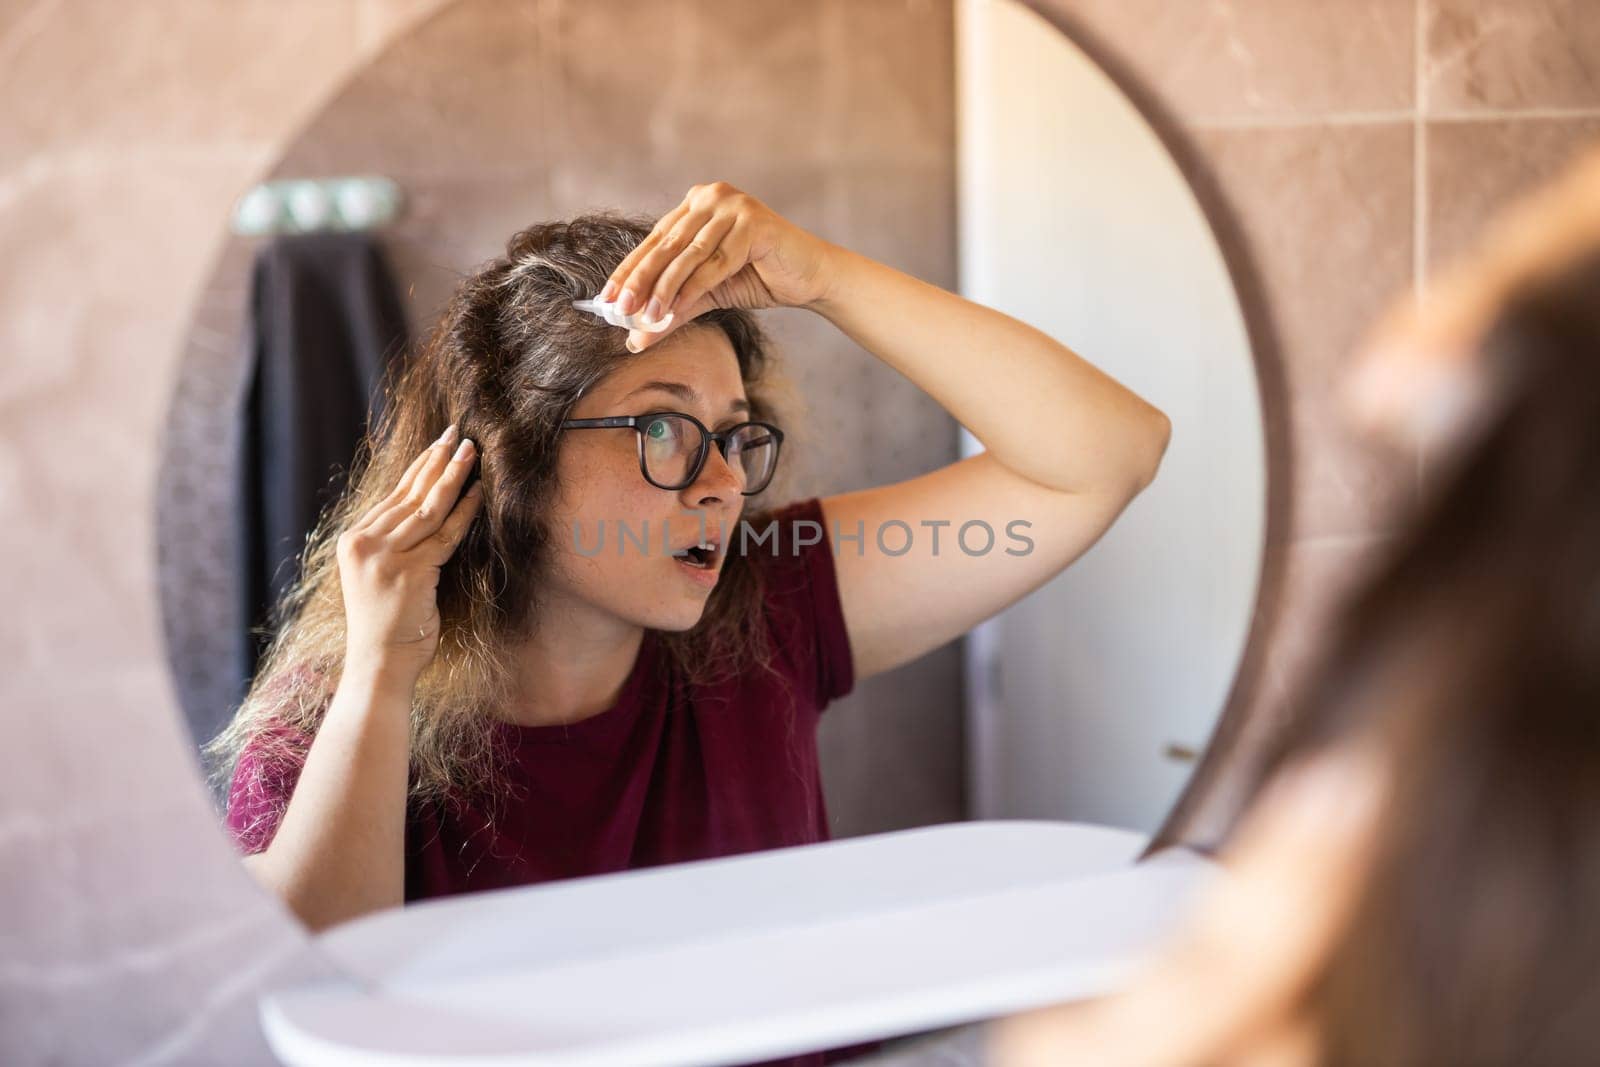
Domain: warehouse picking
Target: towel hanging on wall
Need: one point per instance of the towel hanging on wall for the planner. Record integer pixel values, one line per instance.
(326, 319)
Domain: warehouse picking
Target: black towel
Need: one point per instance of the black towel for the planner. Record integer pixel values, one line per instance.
(326, 321)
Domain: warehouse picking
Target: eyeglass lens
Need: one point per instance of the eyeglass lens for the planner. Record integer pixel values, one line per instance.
(671, 444)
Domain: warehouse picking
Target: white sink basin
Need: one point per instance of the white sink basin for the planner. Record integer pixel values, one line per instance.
(743, 958)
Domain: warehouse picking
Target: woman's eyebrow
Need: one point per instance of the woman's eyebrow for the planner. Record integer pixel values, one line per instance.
(687, 393)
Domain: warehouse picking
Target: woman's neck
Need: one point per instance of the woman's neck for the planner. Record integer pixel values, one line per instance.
(571, 669)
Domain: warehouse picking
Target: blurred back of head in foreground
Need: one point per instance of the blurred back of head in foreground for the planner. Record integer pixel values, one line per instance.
(1418, 880)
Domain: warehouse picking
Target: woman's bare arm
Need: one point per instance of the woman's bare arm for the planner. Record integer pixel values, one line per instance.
(1067, 448)
(340, 850)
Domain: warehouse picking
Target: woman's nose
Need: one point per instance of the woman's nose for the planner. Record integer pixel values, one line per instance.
(717, 477)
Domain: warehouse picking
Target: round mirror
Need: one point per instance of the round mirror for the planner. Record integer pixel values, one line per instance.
(1085, 697)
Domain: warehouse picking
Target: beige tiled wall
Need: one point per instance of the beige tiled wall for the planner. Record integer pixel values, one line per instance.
(1346, 147)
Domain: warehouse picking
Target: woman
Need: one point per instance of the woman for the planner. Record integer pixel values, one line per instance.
(1418, 884)
(464, 694)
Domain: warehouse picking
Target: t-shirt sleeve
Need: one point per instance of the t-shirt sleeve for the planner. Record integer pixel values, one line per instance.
(264, 778)
(802, 599)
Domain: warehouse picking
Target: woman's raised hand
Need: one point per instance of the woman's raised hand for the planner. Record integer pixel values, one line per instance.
(389, 561)
(720, 248)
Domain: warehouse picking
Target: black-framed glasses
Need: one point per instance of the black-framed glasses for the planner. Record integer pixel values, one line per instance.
(673, 447)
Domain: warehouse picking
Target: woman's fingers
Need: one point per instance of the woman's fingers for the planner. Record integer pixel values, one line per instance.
(720, 251)
(407, 480)
(728, 256)
(707, 255)
(443, 443)
(403, 487)
(434, 463)
(649, 275)
(621, 277)
(639, 340)
(370, 518)
(444, 541)
(428, 513)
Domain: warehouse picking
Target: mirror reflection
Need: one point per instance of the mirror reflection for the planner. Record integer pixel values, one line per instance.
(483, 589)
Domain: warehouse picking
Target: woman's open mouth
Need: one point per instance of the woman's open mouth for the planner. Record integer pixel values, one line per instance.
(697, 556)
(703, 561)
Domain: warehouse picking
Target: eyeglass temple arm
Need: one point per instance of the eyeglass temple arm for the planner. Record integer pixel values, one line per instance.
(609, 421)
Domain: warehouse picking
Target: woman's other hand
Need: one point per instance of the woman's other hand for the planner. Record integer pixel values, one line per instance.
(389, 560)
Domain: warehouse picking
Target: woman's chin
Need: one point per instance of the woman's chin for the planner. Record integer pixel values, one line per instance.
(681, 612)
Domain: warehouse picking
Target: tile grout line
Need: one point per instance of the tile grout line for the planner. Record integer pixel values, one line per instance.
(1379, 118)
(1509, 114)
(1419, 161)
(1419, 178)
(1331, 118)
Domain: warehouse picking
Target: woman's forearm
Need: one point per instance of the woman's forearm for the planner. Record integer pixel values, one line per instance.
(339, 851)
(1037, 406)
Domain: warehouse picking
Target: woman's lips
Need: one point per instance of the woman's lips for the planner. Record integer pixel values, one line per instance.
(705, 576)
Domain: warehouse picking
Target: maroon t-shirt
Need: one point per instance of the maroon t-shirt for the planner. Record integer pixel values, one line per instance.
(671, 772)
